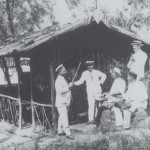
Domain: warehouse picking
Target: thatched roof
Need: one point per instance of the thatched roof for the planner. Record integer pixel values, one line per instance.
(28, 42)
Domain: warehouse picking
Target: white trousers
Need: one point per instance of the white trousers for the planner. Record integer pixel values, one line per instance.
(124, 119)
(118, 116)
(127, 113)
(91, 105)
(63, 124)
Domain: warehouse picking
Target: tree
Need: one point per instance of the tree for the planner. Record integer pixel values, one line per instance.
(8, 6)
(23, 16)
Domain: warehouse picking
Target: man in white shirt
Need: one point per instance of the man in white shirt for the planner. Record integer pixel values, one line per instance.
(136, 96)
(137, 60)
(116, 91)
(63, 97)
(94, 79)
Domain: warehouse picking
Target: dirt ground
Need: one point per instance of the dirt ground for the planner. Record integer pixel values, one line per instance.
(87, 137)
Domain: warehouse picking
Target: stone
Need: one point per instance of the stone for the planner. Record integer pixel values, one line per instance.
(83, 128)
(141, 119)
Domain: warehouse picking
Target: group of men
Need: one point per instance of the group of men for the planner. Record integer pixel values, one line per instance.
(123, 102)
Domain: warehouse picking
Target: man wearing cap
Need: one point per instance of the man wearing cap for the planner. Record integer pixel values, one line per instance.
(137, 60)
(116, 91)
(136, 97)
(94, 79)
(63, 97)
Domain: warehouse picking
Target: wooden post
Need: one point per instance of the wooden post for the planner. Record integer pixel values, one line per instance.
(147, 83)
(52, 91)
(17, 63)
(31, 86)
(98, 60)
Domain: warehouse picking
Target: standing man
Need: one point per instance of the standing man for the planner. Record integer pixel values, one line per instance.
(137, 60)
(63, 97)
(94, 79)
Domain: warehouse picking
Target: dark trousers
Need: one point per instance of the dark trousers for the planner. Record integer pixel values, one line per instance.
(99, 114)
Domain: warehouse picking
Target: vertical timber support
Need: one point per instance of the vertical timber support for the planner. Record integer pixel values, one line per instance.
(147, 83)
(31, 87)
(18, 68)
(52, 91)
(98, 59)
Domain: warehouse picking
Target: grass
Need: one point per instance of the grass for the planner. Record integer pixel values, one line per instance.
(116, 141)
(136, 139)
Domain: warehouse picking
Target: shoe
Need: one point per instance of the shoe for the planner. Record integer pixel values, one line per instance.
(89, 122)
(61, 134)
(127, 128)
(119, 128)
(94, 122)
(70, 137)
(98, 124)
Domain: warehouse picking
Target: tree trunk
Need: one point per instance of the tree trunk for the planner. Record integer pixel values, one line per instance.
(31, 86)
(19, 71)
(18, 67)
(9, 4)
(6, 72)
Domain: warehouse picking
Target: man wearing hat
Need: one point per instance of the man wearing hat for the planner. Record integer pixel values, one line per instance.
(94, 79)
(63, 97)
(116, 91)
(138, 59)
(136, 97)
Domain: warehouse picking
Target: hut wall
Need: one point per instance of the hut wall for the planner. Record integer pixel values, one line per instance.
(40, 75)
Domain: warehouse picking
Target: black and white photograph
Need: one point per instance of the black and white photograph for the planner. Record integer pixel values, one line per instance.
(74, 74)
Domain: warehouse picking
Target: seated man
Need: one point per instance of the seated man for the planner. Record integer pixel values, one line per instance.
(136, 98)
(117, 90)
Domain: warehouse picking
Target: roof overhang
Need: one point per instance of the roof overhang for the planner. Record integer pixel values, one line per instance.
(38, 39)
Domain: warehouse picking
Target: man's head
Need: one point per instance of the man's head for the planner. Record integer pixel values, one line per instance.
(136, 45)
(90, 65)
(132, 76)
(116, 73)
(61, 70)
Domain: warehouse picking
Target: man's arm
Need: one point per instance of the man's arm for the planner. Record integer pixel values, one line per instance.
(61, 89)
(102, 76)
(120, 90)
(81, 80)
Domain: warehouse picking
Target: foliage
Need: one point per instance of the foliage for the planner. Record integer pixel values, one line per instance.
(24, 16)
(21, 16)
(133, 15)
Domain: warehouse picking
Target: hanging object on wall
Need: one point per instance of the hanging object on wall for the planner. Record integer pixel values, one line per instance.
(25, 64)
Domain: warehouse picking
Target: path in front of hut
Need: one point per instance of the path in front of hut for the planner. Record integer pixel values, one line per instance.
(12, 138)
(86, 137)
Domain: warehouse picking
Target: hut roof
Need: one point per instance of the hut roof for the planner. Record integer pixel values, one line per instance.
(28, 42)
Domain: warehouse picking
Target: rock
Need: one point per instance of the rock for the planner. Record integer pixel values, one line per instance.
(83, 128)
(141, 120)
(144, 123)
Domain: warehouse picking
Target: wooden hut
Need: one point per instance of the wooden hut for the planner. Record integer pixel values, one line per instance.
(71, 44)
